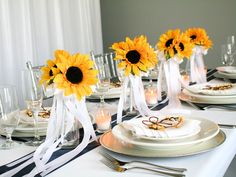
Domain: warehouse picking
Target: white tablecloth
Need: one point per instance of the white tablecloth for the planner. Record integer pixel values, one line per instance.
(209, 164)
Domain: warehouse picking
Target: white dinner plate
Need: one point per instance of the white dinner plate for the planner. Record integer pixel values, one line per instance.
(208, 130)
(113, 144)
(201, 89)
(227, 69)
(111, 94)
(227, 75)
(206, 99)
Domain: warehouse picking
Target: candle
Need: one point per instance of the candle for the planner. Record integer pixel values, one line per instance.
(151, 95)
(103, 120)
(185, 79)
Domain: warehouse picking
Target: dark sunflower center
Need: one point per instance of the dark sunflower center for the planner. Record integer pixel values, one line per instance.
(133, 56)
(175, 51)
(169, 42)
(181, 45)
(50, 73)
(193, 37)
(74, 75)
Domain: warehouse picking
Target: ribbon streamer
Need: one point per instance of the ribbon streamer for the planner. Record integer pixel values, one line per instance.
(138, 95)
(170, 68)
(197, 67)
(64, 109)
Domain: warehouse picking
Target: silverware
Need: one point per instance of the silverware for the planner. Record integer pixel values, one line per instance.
(119, 168)
(121, 163)
(220, 107)
(193, 105)
(227, 126)
(226, 107)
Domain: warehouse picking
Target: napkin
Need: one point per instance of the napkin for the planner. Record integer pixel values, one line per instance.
(138, 129)
(25, 120)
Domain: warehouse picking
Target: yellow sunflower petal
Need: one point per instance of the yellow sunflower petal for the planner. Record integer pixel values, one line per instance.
(135, 70)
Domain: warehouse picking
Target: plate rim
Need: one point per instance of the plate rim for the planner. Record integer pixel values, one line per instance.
(162, 145)
(158, 152)
(214, 99)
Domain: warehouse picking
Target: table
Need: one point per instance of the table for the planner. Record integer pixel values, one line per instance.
(213, 163)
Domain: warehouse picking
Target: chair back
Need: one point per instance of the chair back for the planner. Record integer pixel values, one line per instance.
(106, 58)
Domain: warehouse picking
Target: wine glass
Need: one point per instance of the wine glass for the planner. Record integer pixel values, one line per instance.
(226, 56)
(103, 85)
(231, 47)
(9, 114)
(33, 95)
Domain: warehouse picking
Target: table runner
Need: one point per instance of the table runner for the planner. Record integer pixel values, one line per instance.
(92, 145)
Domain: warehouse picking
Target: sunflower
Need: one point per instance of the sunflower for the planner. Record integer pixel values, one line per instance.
(135, 55)
(49, 72)
(167, 42)
(199, 36)
(77, 75)
(183, 47)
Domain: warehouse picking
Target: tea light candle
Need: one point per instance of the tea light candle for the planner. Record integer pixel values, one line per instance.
(103, 120)
(185, 79)
(151, 95)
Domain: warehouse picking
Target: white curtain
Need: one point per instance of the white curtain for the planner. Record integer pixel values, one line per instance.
(33, 29)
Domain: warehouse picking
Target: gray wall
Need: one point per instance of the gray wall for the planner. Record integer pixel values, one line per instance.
(121, 18)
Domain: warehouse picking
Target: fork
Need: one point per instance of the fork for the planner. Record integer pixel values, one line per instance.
(121, 163)
(118, 168)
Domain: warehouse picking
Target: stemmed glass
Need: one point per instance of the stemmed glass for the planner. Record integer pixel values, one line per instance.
(103, 84)
(9, 114)
(226, 55)
(33, 95)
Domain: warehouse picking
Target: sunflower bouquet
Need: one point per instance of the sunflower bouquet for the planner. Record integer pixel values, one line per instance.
(134, 57)
(72, 76)
(173, 46)
(199, 38)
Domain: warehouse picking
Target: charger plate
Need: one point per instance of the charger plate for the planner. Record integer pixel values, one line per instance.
(208, 130)
(108, 141)
(186, 95)
(19, 134)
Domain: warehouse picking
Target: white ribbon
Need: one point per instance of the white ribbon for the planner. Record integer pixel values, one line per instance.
(172, 74)
(139, 97)
(122, 99)
(197, 67)
(64, 109)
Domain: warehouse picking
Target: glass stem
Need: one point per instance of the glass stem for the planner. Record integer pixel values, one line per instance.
(36, 130)
(102, 100)
(8, 138)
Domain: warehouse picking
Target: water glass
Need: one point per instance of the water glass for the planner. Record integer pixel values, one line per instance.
(33, 95)
(103, 84)
(9, 114)
(226, 56)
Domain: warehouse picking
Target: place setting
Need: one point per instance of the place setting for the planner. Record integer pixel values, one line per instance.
(210, 93)
(171, 136)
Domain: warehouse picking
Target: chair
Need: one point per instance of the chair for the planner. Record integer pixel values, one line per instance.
(106, 58)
